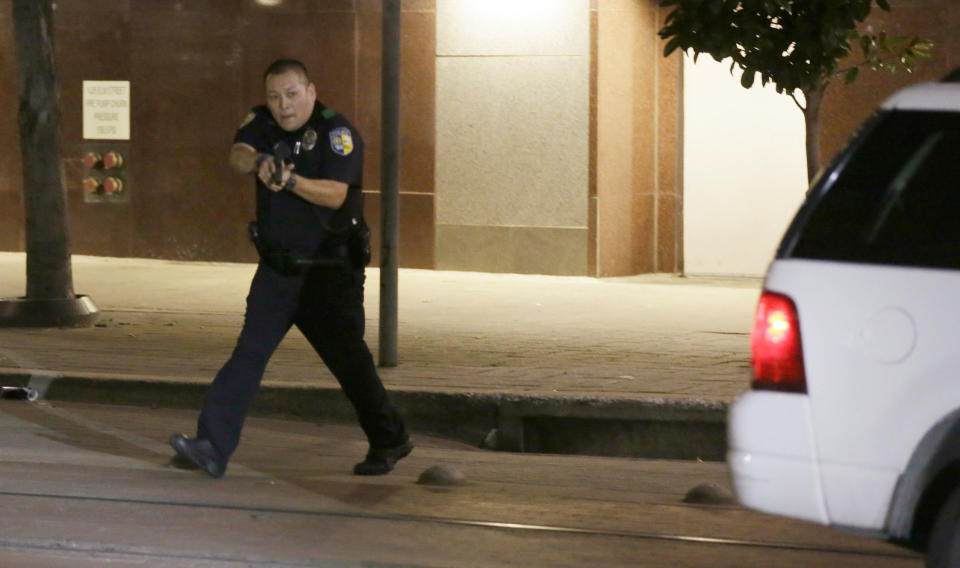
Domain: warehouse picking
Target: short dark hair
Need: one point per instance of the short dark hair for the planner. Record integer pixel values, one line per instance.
(281, 66)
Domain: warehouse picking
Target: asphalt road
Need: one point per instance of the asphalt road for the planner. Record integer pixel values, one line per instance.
(91, 485)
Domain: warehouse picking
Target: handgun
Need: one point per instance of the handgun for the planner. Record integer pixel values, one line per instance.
(281, 152)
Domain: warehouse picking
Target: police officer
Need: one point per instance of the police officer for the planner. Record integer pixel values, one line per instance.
(313, 246)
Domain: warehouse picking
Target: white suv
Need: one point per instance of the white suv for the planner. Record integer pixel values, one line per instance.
(853, 419)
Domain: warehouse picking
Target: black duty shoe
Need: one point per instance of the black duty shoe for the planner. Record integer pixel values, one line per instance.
(381, 460)
(197, 452)
(180, 462)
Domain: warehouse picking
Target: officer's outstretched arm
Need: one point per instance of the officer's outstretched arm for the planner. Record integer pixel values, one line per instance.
(243, 158)
(322, 192)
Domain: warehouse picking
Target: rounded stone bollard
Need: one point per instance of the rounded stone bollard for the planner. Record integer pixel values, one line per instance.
(442, 475)
(710, 494)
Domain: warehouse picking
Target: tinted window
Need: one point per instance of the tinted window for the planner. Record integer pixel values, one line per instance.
(896, 199)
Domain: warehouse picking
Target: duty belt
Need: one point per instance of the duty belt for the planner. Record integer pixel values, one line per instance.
(286, 262)
(293, 263)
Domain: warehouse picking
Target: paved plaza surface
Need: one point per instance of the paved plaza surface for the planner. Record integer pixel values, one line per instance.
(477, 351)
(637, 337)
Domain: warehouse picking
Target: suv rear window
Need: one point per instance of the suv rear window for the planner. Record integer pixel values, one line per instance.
(896, 199)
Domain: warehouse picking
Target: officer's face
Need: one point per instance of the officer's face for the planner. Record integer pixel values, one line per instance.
(290, 98)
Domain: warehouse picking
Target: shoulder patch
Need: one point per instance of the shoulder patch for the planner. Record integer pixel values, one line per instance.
(250, 116)
(341, 141)
(328, 113)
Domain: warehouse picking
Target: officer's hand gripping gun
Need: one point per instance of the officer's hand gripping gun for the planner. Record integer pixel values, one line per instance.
(281, 152)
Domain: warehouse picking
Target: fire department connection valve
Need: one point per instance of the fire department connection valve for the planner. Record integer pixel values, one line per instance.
(92, 160)
(112, 185)
(99, 164)
(112, 160)
(109, 185)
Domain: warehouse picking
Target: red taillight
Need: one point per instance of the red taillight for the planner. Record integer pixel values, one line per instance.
(775, 343)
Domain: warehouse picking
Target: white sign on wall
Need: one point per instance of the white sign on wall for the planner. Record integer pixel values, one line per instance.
(106, 110)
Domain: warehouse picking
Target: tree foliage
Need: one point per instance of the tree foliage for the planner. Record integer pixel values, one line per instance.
(798, 45)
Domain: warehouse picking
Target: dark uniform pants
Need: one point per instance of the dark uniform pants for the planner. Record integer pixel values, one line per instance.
(326, 304)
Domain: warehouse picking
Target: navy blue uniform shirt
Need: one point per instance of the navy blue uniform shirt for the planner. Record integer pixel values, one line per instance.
(327, 146)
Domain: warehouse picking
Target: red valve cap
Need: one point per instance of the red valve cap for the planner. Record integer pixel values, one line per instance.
(92, 160)
(90, 185)
(113, 160)
(113, 185)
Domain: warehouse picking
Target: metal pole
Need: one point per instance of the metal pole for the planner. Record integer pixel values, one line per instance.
(389, 183)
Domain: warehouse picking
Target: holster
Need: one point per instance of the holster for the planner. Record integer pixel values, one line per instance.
(254, 230)
(358, 245)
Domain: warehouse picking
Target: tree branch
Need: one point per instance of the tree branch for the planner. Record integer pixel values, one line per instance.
(793, 95)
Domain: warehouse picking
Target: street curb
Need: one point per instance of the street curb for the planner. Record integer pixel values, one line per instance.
(658, 428)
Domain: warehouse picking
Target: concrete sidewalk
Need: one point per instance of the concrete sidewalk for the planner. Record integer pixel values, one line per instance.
(640, 366)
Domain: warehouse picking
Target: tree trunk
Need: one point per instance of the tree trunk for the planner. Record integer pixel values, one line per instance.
(50, 301)
(811, 119)
(49, 274)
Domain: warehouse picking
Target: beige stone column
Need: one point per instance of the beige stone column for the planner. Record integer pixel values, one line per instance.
(513, 135)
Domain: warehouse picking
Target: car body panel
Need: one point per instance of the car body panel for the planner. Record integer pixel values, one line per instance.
(926, 96)
(864, 374)
(872, 263)
(772, 455)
